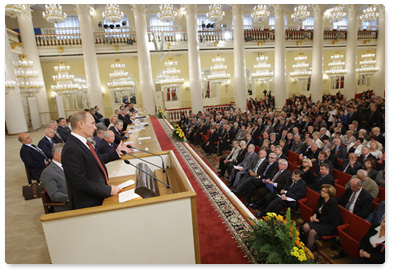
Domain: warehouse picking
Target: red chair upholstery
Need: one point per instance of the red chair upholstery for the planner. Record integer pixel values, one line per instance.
(293, 157)
(340, 190)
(340, 162)
(292, 166)
(308, 204)
(346, 216)
(257, 148)
(380, 197)
(342, 177)
(352, 233)
(206, 136)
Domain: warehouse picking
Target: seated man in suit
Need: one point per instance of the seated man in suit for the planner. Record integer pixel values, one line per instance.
(278, 178)
(338, 150)
(225, 139)
(107, 143)
(297, 145)
(53, 124)
(356, 199)
(322, 158)
(367, 183)
(33, 157)
(231, 158)
(324, 177)
(98, 136)
(210, 146)
(279, 152)
(294, 189)
(351, 165)
(54, 180)
(248, 163)
(47, 142)
(365, 153)
(63, 130)
(119, 134)
(124, 116)
(239, 159)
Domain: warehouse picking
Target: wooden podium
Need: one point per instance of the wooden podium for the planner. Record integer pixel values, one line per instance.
(156, 230)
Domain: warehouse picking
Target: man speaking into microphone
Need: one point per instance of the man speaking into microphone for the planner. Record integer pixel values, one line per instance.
(85, 170)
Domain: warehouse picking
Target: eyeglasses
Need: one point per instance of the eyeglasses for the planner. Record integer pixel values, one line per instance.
(324, 191)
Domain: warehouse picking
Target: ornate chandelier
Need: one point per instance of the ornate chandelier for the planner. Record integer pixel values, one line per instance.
(166, 14)
(14, 11)
(218, 73)
(64, 82)
(215, 14)
(337, 66)
(301, 71)
(300, 13)
(54, 14)
(10, 86)
(367, 64)
(25, 74)
(335, 14)
(369, 14)
(171, 75)
(112, 13)
(260, 13)
(119, 79)
(263, 70)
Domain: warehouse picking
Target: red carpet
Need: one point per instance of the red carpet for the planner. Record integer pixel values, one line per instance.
(216, 243)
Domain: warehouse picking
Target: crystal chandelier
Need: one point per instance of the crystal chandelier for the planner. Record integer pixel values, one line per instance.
(260, 13)
(54, 14)
(14, 11)
(10, 86)
(301, 71)
(215, 13)
(119, 79)
(218, 73)
(337, 66)
(300, 13)
(369, 14)
(171, 75)
(28, 84)
(64, 82)
(112, 13)
(335, 14)
(166, 14)
(367, 64)
(263, 70)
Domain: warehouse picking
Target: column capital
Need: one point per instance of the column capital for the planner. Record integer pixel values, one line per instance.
(191, 8)
(278, 7)
(352, 9)
(28, 11)
(139, 8)
(237, 8)
(318, 9)
(83, 8)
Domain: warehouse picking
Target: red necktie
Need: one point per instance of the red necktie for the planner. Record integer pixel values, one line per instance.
(97, 158)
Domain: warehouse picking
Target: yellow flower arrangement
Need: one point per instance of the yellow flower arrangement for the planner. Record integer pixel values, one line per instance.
(161, 114)
(178, 133)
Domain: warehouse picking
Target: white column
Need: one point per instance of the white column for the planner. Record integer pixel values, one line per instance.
(14, 114)
(195, 75)
(280, 90)
(26, 29)
(146, 81)
(95, 96)
(379, 77)
(239, 78)
(351, 53)
(318, 42)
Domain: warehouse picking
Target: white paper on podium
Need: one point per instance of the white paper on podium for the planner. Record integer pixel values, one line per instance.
(126, 183)
(127, 195)
(126, 143)
(142, 138)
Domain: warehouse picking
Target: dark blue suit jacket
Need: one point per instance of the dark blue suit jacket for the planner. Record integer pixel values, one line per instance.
(46, 145)
(34, 160)
(297, 191)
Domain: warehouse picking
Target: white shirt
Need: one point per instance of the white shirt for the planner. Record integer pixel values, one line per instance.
(58, 163)
(81, 138)
(375, 239)
(355, 200)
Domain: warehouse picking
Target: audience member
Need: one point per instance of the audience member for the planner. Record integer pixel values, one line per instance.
(47, 142)
(367, 183)
(307, 173)
(63, 130)
(324, 177)
(231, 158)
(350, 165)
(107, 143)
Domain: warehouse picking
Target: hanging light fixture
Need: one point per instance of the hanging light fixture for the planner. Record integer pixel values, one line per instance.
(14, 11)
(260, 13)
(335, 14)
(166, 14)
(369, 14)
(367, 65)
(28, 84)
(301, 69)
(119, 79)
(264, 71)
(171, 75)
(64, 81)
(215, 14)
(337, 66)
(54, 14)
(10, 86)
(300, 13)
(112, 14)
(218, 73)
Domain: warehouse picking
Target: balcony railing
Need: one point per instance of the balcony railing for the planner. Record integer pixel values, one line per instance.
(13, 36)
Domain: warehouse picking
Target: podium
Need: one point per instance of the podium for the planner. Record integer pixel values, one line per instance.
(157, 230)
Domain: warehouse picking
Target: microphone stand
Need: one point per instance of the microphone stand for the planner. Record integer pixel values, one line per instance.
(163, 163)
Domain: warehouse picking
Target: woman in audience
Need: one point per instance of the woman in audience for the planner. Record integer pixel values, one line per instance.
(348, 138)
(266, 146)
(375, 151)
(356, 147)
(231, 158)
(240, 156)
(284, 147)
(325, 219)
(316, 138)
(112, 121)
(308, 174)
(372, 246)
(370, 167)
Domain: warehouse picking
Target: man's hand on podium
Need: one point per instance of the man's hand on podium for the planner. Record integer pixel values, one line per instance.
(125, 148)
(115, 190)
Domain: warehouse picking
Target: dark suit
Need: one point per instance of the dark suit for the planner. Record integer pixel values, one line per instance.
(209, 146)
(126, 120)
(34, 161)
(363, 204)
(297, 147)
(265, 195)
(105, 147)
(377, 253)
(86, 182)
(339, 152)
(46, 146)
(295, 191)
(350, 169)
(119, 135)
(64, 132)
(362, 158)
(321, 180)
(317, 165)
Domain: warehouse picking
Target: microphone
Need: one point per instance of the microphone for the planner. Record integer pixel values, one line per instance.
(163, 163)
(167, 178)
(150, 175)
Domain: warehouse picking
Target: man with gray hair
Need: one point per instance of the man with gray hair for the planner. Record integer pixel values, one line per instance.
(367, 183)
(356, 199)
(107, 143)
(54, 125)
(54, 180)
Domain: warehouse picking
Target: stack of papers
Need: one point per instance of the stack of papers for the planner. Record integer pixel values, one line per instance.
(142, 138)
(127, 195)
(126, 183)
